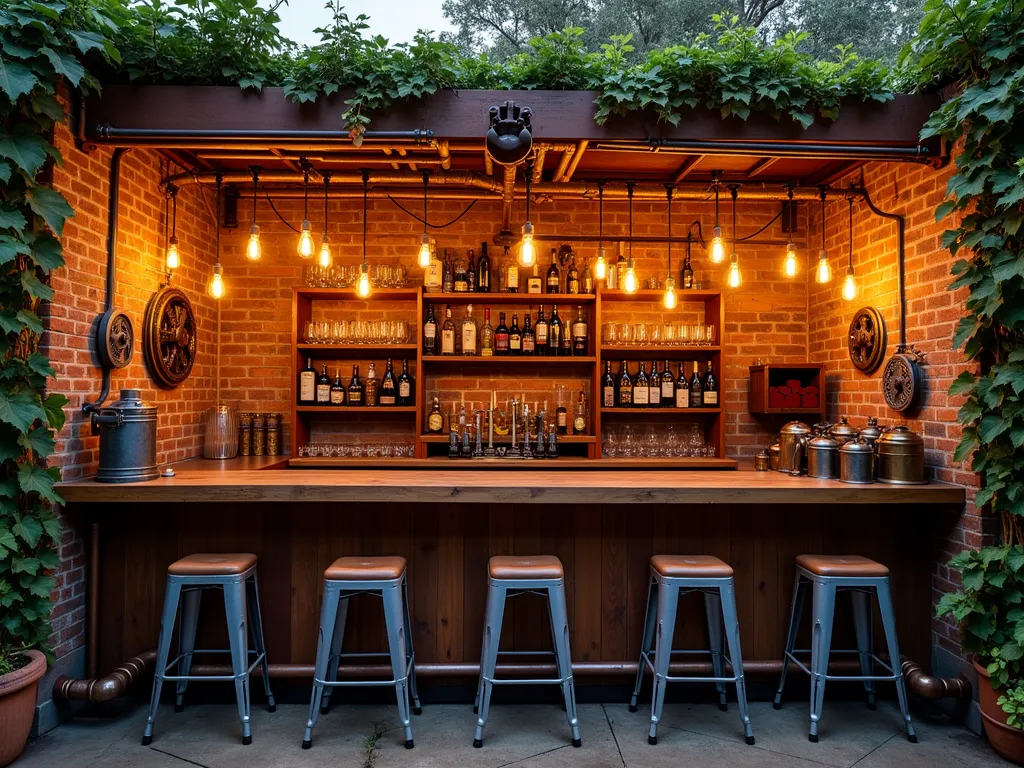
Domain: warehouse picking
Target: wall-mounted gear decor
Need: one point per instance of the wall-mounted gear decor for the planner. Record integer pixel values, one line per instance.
(115, 339)
(866, 339)
(169, 337)
(901, 380)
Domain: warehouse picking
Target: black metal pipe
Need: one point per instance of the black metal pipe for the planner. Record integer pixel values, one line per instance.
(107, 131)
(917, 154)
(901, 224)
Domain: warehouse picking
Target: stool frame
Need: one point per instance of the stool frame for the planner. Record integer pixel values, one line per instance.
(241, 601)
(659, 628)
(824, 590)
(498, 590)
(333, 614)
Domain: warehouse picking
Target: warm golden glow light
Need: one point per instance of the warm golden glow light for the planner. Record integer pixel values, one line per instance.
(601, 265)
(173, 258)
(305, 246)
(216, 287)
(849, 285)
(735, 277)
(324, 258)
(424, 256)
(670, 293)
(253, 251)
(789, 266)
(629, 283)
(527, 250)
(824, 271)
(363, 286)
(717, 251)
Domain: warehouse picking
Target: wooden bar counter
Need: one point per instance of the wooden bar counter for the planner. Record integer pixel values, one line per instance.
(447, 520)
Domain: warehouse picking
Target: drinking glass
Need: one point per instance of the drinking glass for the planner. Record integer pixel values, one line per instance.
(610, 444)
(628, 443)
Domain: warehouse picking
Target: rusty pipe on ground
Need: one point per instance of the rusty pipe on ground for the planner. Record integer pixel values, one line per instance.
(97, 689)
(931, 687)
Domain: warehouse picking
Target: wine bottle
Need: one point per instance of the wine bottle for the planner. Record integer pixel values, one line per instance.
(355, 388)
(579, 419)
(572, 277)
(554, 278)
(483, 271)
(433, 274)
(447, 274)
(371, 390)
(406, 386)
(469, 332)
(687, 271)
(579, 333)
(654, 387)
(682, 389)
(696, 388)
(512, 270)
(307, 383)
(608, 386)
(641, 387)
(533, 284)
(541, 333)
(529, 337)
(501, 336)
(461, 278)
(625, 388)
(561, 414)
(555, 333)
(588, 276)
(388, 386)
(337, 389)
(471, 272)
(435, 420)
(668, 387)
(430, 332)
(323, 387)
(710, 389)
(448, 333)
(487, 335)
(515, 336)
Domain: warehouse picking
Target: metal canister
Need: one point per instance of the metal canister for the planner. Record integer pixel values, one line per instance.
(792, 440)
(245, 434)
(821, 428)
(823, 458)
(901, 457)
(843, 432)
(773, 455)
(273, 434)
(762, 461)
(856, 463)
(127, 430)
(259, 434)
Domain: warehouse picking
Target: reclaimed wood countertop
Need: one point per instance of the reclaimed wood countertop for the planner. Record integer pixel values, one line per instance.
(264, 479)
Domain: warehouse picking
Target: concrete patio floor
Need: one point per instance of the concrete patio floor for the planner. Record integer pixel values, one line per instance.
(535, 736)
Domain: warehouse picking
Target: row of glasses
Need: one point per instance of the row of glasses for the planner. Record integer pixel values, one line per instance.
(376, 332)
(385, 449)
(658, 334)
(346, 276)
(388, 275)
(628, 442)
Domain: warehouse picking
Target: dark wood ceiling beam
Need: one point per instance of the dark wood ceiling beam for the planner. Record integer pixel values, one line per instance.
(686, 167)
(761, 166)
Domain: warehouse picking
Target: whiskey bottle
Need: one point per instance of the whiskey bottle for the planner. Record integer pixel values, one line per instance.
(388, 387)
(579, 333)
(406, 385)
(654, 387)
(533, 284)
(579, 418)
(323, 387)
(355, 388)
(710, 389)
(432, 275)
(512, 279)
(541, 333)
(625, 388)
(529, 337)
(469, 332)
(447, 274)
(371, 390)
(554, 278)
(337, 389)
(572, 278)
(307, 383)
(487, 335)
(501, 336)
(515, 336)
(430, 332)
(461, 278)
(696, 389)
(448, 333)
(471, 271)
(588, 276)
(555, 333)
(668, 387)
(435, 420)
(483, 271)
(682, 389)
(562, 414)
(608, 386)
(641, 388)
(687, 272)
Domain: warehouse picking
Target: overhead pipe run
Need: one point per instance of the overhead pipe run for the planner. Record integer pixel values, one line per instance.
(916, 154)
(108, 132)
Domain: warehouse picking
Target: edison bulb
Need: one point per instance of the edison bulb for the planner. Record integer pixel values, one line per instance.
(363, 286)
(253, 251)
(305, 247)
(824, 272)
(173, 259)
(216, 286)
(527, 251)
(717, 246)
(629, 282)
(789, 266)
(670, 293)
(424, 256)
(324, 258)
(600, 266)
(850, 285)
(735, 277)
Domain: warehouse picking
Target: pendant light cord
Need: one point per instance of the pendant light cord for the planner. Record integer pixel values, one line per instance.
(600, 213)
(717, 177)
(668, 195)
(174, 210)
(850, 201)
(255, 188)
(529, 173)
(305, 189)
(216, 217)
(426, 182)
(629, 194)
(327, 184)
(366, 195)
(734, 192)
(821, 192)
(216, 225)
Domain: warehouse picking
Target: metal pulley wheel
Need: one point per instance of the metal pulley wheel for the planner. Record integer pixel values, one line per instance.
(169, 333)
(115, 339)
(901, 380)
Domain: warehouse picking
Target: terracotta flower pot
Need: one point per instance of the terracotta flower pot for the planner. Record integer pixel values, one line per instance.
(1006, 740)
(17, 706)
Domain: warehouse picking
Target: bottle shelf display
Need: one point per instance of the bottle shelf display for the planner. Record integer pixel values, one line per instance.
(506, 365)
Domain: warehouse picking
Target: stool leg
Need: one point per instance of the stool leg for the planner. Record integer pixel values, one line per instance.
(337, 641)
(713, 610)
(186, 641)
(394, 620)
(647, 642)
(328, 617)
(417, 709)
(162, 651)
(563, 656)
(668, 601)
(861, 601)
(889, 625)
(732, 632)
(795, 615)
(256, 627)
(234, 609)
(492, 637)
(821, 644)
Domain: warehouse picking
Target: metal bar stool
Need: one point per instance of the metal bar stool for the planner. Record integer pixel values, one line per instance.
(507, 577)
(671, 576)
(347, 577)
(828, 574)
(235, 575)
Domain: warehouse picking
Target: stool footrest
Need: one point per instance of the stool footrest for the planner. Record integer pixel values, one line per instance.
(364, 683)
(171, 678)
(791, 655)
(516, 681)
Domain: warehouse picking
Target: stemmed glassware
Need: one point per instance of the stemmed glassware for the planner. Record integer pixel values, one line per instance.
(376, 332)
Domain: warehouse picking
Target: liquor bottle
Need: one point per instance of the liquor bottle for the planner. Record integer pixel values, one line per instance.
(337, 389)
(696, 389)
(435, 420)
(432, 275)
(687, 272)
(533, 284)
(608, 386)
(625, 388)
(668, 387)
(579, 333)
(579, 418)
(654, 387)
(406, 385)
(554, 278)
(515, 336)
(483, 271)
(565, 350)
(541, 332)
(710, 389)
(641, 388)
(430, 332)
(487, 335)
(554, 333)
(448, 333)
(323, 387)
(588, 276)
(461, 278)
(561, 414)
(471, 271)
(371, 390)
(388, 386)
(572, 278)
(469, 332)
(447, 274)
(682, 389)
(512, 278)
(307, 383)
(529, 337)
(355, 388)
(501, 336)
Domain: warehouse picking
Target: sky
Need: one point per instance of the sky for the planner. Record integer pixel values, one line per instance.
(397, 20)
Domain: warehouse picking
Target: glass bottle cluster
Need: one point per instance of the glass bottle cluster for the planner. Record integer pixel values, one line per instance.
(451, 273)
(546, 337)
(390, 390)
(658, 389)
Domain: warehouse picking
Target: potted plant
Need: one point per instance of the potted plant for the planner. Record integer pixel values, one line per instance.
(989, 608)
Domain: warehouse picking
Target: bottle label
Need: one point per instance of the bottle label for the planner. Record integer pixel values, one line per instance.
(447, 342)
(695, 398)
(469, 339)
(625, 397)
(533, 285)
(668, 390)
(486, 351)
(461, 286)
(682, 398)
(337, 396)
(654, 395)
(501, 342)
(640, 395)
(435, 422)
(323, 393)
(579, 330)
(529, 344)
(579, 424)
(515, 342)
(429, 331)
(355, 398)
(307, 386)
(387, 399)
(561, 418)
(608, 397)
(553, 285)
(403, 389)
(574, 285)
(432, 276)
(711, 398)
(512, 281)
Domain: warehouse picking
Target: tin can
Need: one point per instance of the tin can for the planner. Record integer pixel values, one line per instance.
(762, 461)
(273, 434)
(259, 434)
(245, 433)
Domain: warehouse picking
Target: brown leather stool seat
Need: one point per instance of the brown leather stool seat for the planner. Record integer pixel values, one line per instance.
(537, 567)
(691, 566)
(841, 565)
(213, 564)
(366, 569)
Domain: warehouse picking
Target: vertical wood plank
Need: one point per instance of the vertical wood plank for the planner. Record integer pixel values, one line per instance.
(501, 541)
(640, 547)
(474, 577)
(423, 580)
(613, 583)
(531, 624)
(450, 585)
(586, 630)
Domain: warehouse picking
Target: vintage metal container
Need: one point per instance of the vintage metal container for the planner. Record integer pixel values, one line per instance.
(773, 455)
(792, 441)
(259, 434)
(762, 461)
(871, 432)
(843, 432)
(901, 457)
(856, 463)
(823, 458)
(127, 430)
(821, 428)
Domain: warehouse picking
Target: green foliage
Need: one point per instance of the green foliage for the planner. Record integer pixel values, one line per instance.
(1012, 702)
(43, 45)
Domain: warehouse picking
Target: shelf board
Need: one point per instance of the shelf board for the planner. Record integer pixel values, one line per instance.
(358, 350)
(567, 439)
(341, 410)
(509, 359)
(657, 295)
(342, 294)
(562, 462)
(788, 410)
(610, 351)
(485, 299)
(660, 412)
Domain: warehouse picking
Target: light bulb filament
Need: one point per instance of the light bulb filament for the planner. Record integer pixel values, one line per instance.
(717, 246)
(173, 259)
(253, 250)
(789, 267)
(363, 286)
(824, 272)
(527, 252)
(424, 255)
(735, 276)
(305, 247)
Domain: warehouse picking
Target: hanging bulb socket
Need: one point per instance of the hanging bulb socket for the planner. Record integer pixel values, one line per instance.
(216, 286)
(669, 300)
(305, 244)
(735, 276)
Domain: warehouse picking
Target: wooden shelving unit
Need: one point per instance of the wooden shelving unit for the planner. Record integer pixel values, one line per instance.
(567, 439)
(762, 377)
(661, 413)
(509, 360)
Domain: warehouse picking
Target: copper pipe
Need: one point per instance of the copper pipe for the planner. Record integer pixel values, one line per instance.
(580, 149)
(488, 164)
(444, 153)
(563, 164)
(379, 194)
(931, 687)
(508, 196)
(538, 162)
(104, 688)
(92, 603)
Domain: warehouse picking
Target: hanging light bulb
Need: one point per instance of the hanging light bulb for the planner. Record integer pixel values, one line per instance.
(305, 245)
(789, 265)
(735, 277)
(824, 272)
(670, 293)
(527, 250)
(323, 259)
(172, 259)
(601, 264)
(717, 250)
(629, 281)
(305, 248)
(669, 299)
(363, 285)
(216, 286)
(253, 251)
(850, 283)
(424, 255)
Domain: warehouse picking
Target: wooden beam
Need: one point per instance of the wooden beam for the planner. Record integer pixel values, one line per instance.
(761, 166)
(684, 169)
(581, 147)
